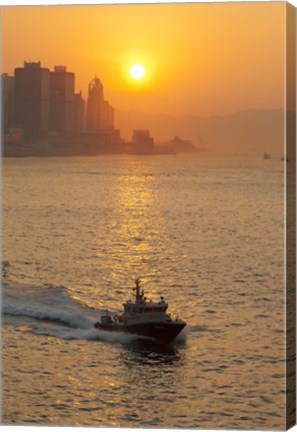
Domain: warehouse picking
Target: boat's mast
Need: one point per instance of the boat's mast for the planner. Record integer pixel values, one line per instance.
(137, 289)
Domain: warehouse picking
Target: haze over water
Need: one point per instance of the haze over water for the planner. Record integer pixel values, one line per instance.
(206, 232)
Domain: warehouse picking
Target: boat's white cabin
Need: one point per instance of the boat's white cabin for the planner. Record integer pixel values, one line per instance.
(143, 310)
(144, 306)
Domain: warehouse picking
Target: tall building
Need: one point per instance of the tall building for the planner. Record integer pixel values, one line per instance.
(61, 114)
(79, 113)
(31, 100)
(100, 114)
(7, 102)
(108, 116)
(142, 142)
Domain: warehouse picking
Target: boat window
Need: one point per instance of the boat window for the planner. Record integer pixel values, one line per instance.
(154, 309)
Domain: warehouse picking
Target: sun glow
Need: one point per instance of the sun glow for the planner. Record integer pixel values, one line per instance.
(137, 71)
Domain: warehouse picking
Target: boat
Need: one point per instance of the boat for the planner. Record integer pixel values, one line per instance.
(143, 317)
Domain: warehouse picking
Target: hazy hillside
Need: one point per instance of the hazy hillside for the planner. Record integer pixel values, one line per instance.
(246, 132)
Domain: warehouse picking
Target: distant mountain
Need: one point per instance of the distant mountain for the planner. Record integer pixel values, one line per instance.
(245, 132)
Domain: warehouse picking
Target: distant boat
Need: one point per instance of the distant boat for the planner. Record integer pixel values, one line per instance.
(266, 156)
(144, 318)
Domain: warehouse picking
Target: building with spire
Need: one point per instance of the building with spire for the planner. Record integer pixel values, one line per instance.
(100, 114)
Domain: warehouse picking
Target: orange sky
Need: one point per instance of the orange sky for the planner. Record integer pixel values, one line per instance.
(201, 59)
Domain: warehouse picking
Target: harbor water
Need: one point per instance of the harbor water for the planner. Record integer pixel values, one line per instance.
(204, 231)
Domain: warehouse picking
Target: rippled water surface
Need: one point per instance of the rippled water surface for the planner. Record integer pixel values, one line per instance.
(205, 232)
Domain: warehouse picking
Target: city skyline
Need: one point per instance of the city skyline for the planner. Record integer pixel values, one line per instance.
(44, 116)
(230, 58)
(61, 113)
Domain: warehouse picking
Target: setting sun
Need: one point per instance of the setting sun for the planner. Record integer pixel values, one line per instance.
(137, 71)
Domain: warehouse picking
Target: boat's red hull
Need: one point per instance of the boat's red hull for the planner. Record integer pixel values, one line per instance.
(162, 332)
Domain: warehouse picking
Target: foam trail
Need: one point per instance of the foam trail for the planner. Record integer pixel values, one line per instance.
(48, 313)
(50, 303)
(90, 334)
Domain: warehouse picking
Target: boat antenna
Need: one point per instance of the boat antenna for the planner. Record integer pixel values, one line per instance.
(137, 288)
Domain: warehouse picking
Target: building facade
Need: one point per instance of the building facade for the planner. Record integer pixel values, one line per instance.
(142, 142)
(7, 102)
(100, 114)
(62, 100)
(79, 113)
(31, 100)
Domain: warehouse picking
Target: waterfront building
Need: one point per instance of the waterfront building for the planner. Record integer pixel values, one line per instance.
(7, 102)
(62, 100)
(31, 100)
(142, 142)
(180, 145)
(100, 114)
(79, 113)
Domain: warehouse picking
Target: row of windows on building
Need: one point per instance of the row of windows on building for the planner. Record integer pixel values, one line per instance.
(40, 101)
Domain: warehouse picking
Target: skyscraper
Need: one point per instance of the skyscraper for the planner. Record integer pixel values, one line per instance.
(31, 100)
(79, 112)
(61, 115)
(8, 95)
(100, 114)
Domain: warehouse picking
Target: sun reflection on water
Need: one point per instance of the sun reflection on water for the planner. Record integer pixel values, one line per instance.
(133, 235)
